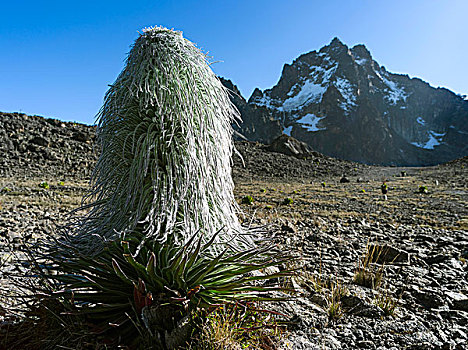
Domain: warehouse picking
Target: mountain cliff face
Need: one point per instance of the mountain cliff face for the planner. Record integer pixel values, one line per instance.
(258, 123)
(344, 104)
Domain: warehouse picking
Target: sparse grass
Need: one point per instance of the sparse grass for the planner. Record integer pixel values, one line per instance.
(332, 291)
(367, 274)
(386, 302)
(238, 326)
(333, 298)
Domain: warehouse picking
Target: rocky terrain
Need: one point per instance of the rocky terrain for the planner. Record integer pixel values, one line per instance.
(374, 273)
(344, 104)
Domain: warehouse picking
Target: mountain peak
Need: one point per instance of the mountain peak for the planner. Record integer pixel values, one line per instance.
(336, 43)
(330, 97)
(361, 51)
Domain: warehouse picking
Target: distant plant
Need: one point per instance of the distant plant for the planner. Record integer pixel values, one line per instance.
(262, 190)
(324, 184)
(61, 183)
(247, 200)
(44, 185)
(269, 207)
(423, 189)
(363, 190)
(288, 201)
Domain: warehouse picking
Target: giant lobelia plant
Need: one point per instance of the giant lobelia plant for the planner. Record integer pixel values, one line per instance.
(161, 239)
(165, 136)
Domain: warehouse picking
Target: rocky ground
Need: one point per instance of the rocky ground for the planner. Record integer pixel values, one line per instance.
(374, 273)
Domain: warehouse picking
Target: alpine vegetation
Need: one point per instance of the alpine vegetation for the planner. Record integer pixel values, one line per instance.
(166, 142)
(161, 244)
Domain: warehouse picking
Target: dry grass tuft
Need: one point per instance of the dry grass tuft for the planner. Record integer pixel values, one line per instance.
(367, 273)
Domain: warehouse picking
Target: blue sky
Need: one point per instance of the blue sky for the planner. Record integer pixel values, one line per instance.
(57, 57)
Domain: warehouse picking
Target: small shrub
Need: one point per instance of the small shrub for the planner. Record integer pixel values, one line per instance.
(423, 189)
(363, 191)
(324, 184)
(61, 183)
(247, 200)
(44, 185)
(287, 201)
(262, 190)
(269, 207)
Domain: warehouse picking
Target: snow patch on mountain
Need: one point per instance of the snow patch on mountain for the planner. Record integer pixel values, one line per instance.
(287, 130)
(435, 139)
(361, 61)
(308, 93)
(395, 93)
(346, 90)
(310, 121)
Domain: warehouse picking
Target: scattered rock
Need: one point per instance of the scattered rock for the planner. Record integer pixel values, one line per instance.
(344, 180)
(291, 147)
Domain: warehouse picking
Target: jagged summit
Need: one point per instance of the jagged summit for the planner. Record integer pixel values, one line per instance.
(336, 43)
(360, 52)
(344, 104)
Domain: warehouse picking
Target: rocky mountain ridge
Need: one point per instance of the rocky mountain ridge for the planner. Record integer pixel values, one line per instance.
(33, 146)
(342, 103)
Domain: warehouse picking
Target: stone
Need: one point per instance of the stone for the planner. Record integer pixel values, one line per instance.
(40, 141)
(388, 254)
(344, 180)
(80, 136)
(436, 259)
(290, 146)
(429, 299)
